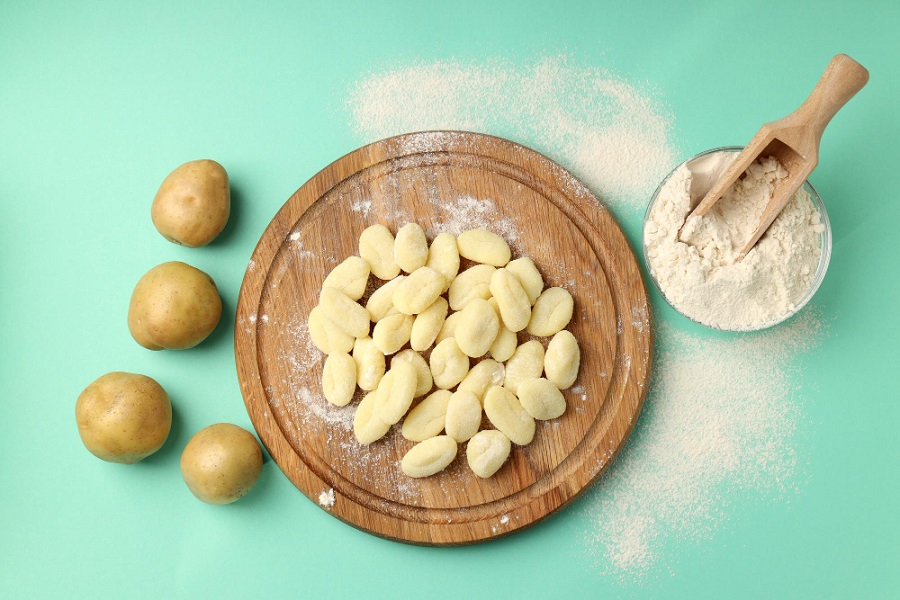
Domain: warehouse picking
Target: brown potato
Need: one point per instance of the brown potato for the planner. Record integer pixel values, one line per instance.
(123, 417)
(173, 306)
(221, 463)
(193, 203)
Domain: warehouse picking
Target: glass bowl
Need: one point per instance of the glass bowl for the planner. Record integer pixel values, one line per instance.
(824, 258)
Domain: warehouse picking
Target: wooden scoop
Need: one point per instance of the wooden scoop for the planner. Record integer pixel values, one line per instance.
(793, 141)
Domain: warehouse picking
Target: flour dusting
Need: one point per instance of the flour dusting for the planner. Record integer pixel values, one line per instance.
(609, 132)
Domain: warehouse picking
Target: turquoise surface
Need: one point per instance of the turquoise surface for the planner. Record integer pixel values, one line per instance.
(98, 101)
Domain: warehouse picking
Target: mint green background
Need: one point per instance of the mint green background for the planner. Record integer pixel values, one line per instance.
(98, 101)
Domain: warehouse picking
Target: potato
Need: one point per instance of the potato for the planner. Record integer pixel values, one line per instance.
(193, 203)
(221, 463)
(123, 417)
(173, 306)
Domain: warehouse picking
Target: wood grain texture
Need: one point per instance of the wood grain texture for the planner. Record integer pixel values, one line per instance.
(421, 177)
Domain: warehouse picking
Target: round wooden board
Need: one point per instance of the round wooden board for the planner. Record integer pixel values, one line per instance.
(445, 181)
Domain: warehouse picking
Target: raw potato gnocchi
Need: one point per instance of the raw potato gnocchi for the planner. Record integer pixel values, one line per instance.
(381, 302)
(428, 325)
(344, 312)
(424, 381)
(325, 335)
(367, 427)
(443, 257)
(395, 393)
(463, 416)
(526, 362)
(449, 364)
(487, 451)
(410, 247)
(529, 276)
(376, 247)
(418, 291)
(508, 415)
(562, 360)
(552, 312)
(369, 363)
(429, 457)
(477, 329)
(541, 399)
(392, 332)
(339, 378)
(483, 246)
(482, 377)
(458, 316)
(512, 301)
(470, 284)
(350, 277)
(427, 418)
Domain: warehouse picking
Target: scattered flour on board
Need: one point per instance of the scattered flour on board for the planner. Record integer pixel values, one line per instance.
(723, 413)
(326, 498)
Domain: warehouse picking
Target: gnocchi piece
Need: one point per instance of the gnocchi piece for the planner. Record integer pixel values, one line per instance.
(449, 364)
(487, 451)
(428, 325)
(477, 328)
(395, 392)
(392, 332)
(562, 360)
(512, 301)
(367, 427)
(339, 378)
(470, 284)
(505, 344)
(424, 382)
(526, 362)
(429, 457)
(410, 247)
(443, 257)
(506, 414)
(541, 398)
(448, 329)
(463, 415)
(481, 377)
(325, 335)
(376, 247)
(427, 418)
(552, 312)
(381, 302)
(344, 312)
(418, 291)
(483, 246)
(369, 363)
(530, 278)
(350, 277)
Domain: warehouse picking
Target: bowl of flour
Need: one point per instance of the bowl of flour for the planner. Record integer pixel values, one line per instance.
(698, 269)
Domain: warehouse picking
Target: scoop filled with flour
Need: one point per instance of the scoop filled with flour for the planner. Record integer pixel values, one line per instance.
(700, 270)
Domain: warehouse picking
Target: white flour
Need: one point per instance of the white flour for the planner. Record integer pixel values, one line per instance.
(677, 475)
(702, 276)
(607, 131)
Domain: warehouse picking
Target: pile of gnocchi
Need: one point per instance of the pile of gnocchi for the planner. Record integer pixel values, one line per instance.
(434, 321)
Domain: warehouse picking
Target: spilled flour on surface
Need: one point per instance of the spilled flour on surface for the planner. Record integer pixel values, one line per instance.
(722, 419)
(609, 132)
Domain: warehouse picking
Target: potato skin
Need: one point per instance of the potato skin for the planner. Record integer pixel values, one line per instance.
(123, 417)
(173, 306)
(221, 463)
(193, 203)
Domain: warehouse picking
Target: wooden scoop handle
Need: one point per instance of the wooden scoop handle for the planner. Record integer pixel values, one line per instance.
(842, 79)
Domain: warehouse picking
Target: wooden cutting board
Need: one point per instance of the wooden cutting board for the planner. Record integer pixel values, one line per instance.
(445, 181)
